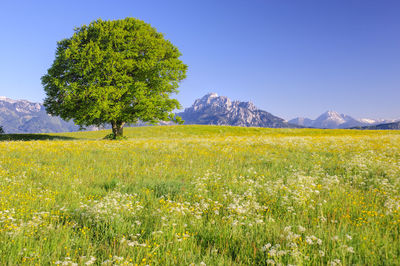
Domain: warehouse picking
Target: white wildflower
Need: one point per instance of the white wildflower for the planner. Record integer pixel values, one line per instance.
(272, 252)
(266, 247)
(301, 229)
(116, 258)
(91, 261)
(335, 262)
(281, 253)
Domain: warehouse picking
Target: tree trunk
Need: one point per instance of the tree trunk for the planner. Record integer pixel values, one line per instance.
(118, 129)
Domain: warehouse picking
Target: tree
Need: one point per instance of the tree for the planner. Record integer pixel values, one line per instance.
(1, 130)
(115, 72)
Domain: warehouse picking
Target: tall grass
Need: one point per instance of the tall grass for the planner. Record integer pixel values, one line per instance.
(202, 195)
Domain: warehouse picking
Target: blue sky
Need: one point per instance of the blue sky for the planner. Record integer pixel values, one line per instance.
(291, 58)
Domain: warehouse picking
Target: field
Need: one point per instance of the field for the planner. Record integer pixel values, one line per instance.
(201, 195)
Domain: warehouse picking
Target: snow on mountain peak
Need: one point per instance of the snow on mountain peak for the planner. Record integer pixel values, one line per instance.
(332, 116)
(8, 100)
(332, 119)
(212, 95)
(367, 120)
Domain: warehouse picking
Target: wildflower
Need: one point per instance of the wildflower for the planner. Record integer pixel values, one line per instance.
(287, 229)
(91, 261)
(335, 262)
(301, 229)
(272, 252)
(281, 253)
(266, 247)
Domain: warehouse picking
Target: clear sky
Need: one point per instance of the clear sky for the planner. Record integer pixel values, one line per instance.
(291, 58)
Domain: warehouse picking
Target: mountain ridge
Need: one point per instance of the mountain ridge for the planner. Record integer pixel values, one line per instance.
(22, 116)
(332, 120)
(212, 109)
(386, 126)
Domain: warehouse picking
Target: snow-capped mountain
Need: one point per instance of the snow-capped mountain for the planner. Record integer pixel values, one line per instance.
(220, 110)
(332, 119)
(376, 121)
(21, 116)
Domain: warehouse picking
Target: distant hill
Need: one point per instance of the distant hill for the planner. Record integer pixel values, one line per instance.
(387, 126)
(332, 120)
(220, 110)
(21, 116)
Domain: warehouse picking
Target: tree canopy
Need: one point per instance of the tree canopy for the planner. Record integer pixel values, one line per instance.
(116, 72)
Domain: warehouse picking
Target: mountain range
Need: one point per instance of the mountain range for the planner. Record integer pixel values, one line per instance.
(21, 116)
(390, 126)
(332, 120)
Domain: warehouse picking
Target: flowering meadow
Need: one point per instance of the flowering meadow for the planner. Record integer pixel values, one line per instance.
(202, 195)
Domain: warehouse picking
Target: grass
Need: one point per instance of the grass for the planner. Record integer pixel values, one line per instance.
(28, 137)
(201, 194)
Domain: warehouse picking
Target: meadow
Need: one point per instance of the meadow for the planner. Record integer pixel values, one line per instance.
(201, 195)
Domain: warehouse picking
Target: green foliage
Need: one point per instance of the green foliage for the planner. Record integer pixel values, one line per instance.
(116, 72)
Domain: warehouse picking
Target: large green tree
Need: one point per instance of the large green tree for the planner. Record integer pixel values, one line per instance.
(116, 72)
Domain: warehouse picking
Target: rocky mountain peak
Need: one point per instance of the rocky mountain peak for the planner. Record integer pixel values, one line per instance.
(332, 115)
(211, 95)
(8, 100)
(210, 100)
(21, 116)
(20, 106)
(212, 109)
(247, 105)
